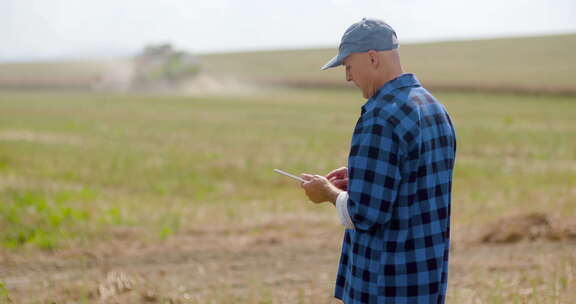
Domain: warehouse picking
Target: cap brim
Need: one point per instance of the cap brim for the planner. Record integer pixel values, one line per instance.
(334, 62)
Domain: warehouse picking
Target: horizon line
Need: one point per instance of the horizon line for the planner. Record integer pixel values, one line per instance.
(124, 54)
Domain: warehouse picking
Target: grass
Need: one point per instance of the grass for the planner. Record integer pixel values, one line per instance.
(79, 169)
(69, 160)
(40, 217)
(4, 294)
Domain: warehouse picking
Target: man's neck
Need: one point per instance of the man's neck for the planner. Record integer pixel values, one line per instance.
(386, 77)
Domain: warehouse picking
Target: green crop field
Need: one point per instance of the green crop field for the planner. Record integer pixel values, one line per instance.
(174, 198)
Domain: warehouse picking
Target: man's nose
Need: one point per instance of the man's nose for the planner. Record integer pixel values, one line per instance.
(348, 77)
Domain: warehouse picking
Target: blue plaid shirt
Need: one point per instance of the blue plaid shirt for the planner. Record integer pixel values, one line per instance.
(400, 178)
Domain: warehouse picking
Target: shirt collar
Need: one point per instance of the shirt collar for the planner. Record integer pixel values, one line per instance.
(402, 81)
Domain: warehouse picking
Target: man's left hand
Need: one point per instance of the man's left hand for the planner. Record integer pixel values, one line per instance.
(319, 189)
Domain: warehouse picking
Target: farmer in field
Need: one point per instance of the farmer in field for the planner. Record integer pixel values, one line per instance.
(394, 197)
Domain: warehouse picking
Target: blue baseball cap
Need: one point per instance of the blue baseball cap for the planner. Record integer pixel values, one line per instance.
(367, 34)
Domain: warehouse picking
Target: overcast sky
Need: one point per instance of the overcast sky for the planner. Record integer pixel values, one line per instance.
(57, 29)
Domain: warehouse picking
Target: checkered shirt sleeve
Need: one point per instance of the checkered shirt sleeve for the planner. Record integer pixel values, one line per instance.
(373, 173)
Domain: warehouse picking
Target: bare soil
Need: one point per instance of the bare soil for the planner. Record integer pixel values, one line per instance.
(289, 260)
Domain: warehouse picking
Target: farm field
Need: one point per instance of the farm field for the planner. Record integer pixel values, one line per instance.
(541, 64)
(527, 64)
(166, 199)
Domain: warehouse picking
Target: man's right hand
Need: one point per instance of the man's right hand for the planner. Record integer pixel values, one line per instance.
(339, 178)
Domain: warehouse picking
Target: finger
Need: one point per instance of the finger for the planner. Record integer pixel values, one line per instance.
(339, 173)
(333, 173)
(330, 176)
(343, 172)
(306, 177)
(320, 179)
(338, 181)
(340, 184)
(305, 183)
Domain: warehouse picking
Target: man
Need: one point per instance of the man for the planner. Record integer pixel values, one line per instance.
(394, 197)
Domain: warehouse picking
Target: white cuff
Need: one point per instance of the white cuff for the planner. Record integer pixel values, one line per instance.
(342, 207)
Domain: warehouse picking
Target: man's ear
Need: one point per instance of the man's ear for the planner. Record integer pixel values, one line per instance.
(373, 56)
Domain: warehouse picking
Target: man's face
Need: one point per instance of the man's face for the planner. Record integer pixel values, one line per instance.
(360, 71)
